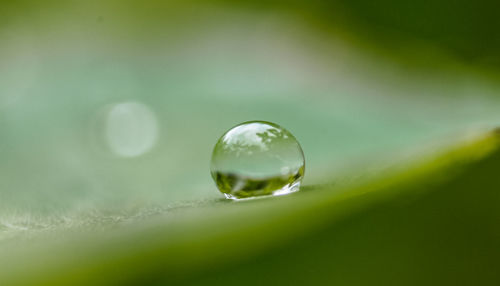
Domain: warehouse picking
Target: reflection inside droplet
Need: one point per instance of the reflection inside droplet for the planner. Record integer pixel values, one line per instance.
(131, 129)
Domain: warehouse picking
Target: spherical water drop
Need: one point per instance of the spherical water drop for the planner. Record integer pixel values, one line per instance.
(257, 158)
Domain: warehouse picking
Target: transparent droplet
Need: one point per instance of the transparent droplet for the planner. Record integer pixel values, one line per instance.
(257, 158)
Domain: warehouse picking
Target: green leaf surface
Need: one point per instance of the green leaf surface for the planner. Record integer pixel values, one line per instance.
(432, 223)
(109, 111)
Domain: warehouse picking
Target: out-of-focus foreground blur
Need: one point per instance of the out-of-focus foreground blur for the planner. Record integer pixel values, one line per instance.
(109, 111)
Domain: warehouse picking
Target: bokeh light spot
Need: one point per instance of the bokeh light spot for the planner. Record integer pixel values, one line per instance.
(131, 129)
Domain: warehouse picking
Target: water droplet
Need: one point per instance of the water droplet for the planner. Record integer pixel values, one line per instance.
(257, 158)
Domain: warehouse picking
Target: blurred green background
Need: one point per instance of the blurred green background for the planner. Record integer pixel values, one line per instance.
(109, 111)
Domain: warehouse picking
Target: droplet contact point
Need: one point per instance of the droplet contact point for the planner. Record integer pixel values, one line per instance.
(288, 189)
(257, 159)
